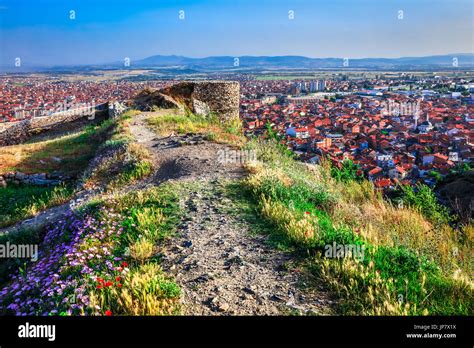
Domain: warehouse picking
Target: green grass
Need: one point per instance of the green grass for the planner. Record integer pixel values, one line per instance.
(18, 202)
(128, 162)
(134, 171)
(148, 219)
(68, 154)
(10, 265)
(303, 207)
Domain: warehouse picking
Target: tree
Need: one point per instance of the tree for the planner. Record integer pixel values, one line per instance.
(349, 171)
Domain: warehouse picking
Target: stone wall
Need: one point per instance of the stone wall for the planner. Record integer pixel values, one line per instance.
(21, 131)
(200, 97)
(40, 179)
(116, 109)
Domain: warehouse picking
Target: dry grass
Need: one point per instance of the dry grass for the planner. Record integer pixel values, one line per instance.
(145, 291)
(175, 122)
(141, 250)
(410, 267)
(69, 154)
(363, 209)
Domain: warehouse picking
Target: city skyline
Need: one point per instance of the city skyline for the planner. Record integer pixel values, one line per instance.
(108, 32)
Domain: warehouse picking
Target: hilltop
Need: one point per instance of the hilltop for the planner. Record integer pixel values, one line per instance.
(174, 211)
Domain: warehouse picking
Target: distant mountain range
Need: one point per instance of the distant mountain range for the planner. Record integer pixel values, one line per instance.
(187, 65)
(300, 62)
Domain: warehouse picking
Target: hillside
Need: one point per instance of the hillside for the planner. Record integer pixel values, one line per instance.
(180, 214)
(300, 62)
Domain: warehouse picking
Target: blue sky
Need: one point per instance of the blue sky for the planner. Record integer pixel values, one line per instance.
(40, 31)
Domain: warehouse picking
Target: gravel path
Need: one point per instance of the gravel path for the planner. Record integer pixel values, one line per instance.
(222, 267)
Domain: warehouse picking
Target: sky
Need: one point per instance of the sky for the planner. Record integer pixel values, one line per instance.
(46, 32)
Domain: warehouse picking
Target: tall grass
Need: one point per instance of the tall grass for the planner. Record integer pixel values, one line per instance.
(148, 218)
(409, 267)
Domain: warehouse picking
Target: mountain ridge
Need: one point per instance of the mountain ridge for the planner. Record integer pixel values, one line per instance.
(210, 63)
(295, 61)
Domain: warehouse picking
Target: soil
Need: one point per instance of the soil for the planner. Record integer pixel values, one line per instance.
(222, 267)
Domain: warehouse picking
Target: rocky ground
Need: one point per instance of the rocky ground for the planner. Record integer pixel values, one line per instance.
(222, 267)
(220, 263)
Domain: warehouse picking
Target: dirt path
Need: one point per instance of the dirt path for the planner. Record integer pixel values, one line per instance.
(221, 266)
(182, 157)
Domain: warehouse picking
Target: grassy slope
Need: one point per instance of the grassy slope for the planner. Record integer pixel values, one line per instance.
(105, 257)
(409, 267)
(20, 202)
(68, 154)
(121, 237)
(211, 127)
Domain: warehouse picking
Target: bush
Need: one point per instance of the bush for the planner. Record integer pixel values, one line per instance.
(424, 200)
(348, 172)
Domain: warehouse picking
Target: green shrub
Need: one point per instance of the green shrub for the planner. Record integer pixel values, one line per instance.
(424, 200)
(348, 172)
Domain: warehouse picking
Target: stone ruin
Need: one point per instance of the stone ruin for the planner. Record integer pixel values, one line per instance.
(20, 131)
(199, 97)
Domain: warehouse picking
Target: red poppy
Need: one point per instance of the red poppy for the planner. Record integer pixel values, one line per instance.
(307, 213)
(108, 313)
(99, 286)
(118, 279)
(119, 285)
(124, 264)
(100, 280)
(109, 283)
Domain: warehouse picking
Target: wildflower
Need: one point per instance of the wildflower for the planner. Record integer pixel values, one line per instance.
(124, 264)
(99, 286)
(109, 283)
(108, 313)
(118, 279)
